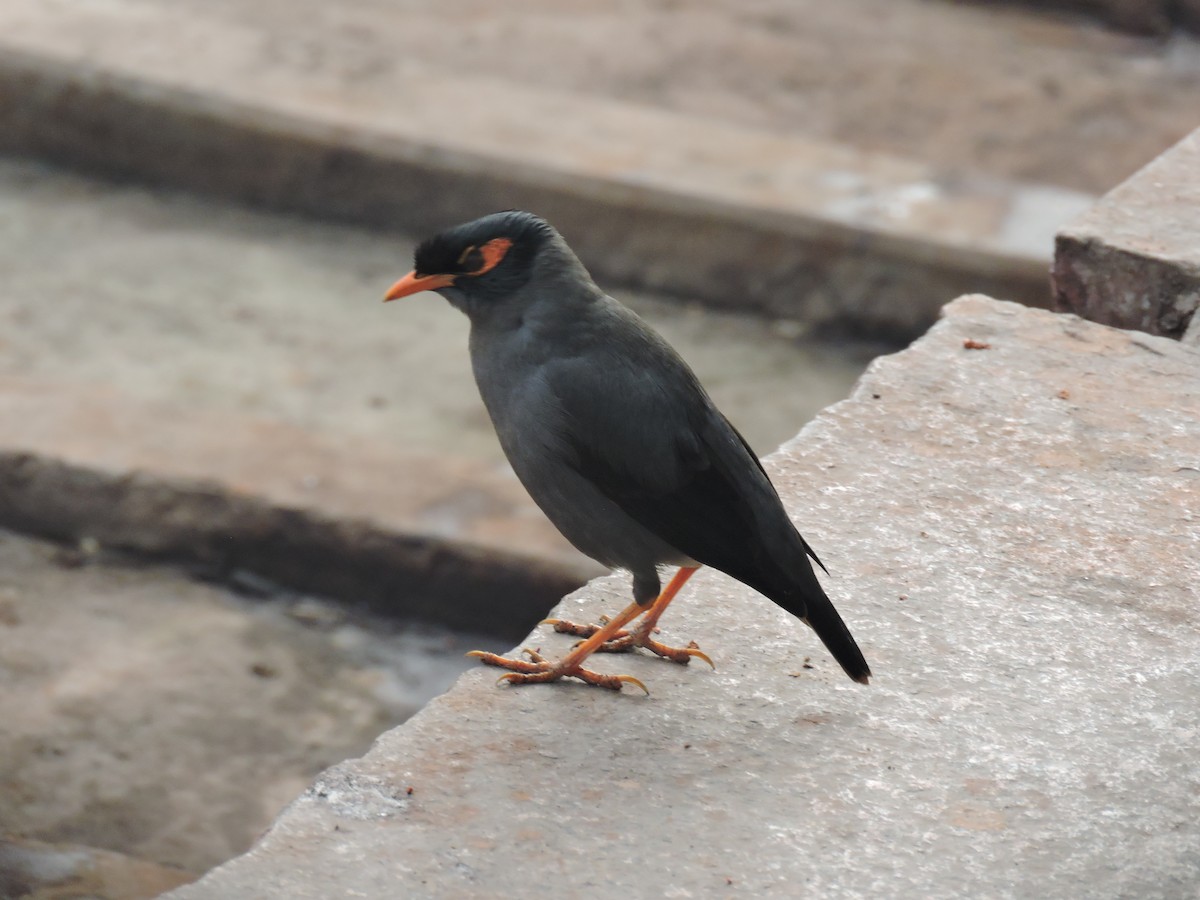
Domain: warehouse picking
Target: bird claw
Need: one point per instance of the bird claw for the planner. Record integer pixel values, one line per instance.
(629, 679)
(681, 655)
(693, 649)
(504, 662)
(540, 670)
(563, 626)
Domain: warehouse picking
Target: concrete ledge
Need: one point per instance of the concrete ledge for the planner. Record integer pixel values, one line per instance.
(224, 534)
(1150, 17)
(445, 541)
(37, 869)
(1133, 259)
(1008, 509)
(816, 232)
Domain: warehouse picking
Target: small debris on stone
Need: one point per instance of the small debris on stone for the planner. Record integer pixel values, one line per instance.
(1064, 394)
(972, 344)
(313, 612)
(80, 555)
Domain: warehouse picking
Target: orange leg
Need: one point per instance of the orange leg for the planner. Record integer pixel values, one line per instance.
(623, 641)
(539, 669)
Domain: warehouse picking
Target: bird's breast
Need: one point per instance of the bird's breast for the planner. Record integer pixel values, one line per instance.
(534, 432)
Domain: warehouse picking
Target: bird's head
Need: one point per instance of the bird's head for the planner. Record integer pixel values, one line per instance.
(478, 263)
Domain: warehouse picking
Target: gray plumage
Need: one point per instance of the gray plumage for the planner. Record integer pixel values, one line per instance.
(610, 431)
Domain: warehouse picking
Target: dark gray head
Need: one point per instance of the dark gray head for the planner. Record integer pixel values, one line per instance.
(480, 263)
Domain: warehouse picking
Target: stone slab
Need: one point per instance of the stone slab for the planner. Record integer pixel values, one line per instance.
(1133, 259)
(51, 871)
(729, 215)
(184, 304)
(1147, 17)
(1009, 513)
(168, 719)
(450, 540)
(455, 498)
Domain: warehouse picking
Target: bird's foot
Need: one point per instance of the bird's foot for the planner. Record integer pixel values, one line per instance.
(681, 655)
(539, 669)
(563, 626)
(625, 641)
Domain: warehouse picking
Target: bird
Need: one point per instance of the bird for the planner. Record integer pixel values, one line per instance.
(614, 437)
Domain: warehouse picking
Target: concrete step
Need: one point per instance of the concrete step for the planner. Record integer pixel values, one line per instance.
(729, 215)
(448, 540)
(171, 719)
(1009, 513)
(1133, 259)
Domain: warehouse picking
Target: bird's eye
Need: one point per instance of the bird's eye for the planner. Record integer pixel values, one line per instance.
(470, 259)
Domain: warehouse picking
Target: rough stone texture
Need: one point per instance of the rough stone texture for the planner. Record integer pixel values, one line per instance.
(1011, 532)
(1149, 17)
(1140, 16)
(455, 498)
(147, 713)
(992, 87)
(32, 870)
(730, 215)
(1133, 259)
(225, 534)
(119, 296)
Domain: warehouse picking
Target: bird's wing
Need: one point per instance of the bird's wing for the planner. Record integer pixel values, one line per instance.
(750, 452)
(660, 450)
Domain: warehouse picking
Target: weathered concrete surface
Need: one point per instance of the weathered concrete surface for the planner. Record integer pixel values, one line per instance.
(1011, 532)
(1150, 17)
(738, 217)
(992, 87)
(457, 498)
(32, 870)
(226, 535)
(1133, 259)
(186, 305)
(441, 539)
(147, 713)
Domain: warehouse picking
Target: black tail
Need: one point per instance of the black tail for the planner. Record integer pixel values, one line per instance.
(834, 634)
(809, 603)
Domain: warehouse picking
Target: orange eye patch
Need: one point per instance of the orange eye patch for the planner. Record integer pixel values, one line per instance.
(492, 253)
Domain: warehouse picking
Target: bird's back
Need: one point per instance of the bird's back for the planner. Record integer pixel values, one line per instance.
(615, 439)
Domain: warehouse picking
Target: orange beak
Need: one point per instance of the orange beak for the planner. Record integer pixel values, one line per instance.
(412, 283)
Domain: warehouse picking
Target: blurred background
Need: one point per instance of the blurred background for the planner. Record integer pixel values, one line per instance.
(277, 509)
